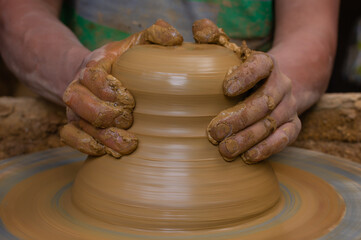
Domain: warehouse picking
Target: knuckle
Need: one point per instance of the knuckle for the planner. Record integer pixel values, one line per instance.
(242, 122)
(91, 73)
(287, 82)
(292, 103)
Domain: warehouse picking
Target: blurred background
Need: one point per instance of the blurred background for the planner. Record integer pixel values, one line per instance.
(346, 75)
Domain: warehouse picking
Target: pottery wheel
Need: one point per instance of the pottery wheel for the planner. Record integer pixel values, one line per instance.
(320, 199)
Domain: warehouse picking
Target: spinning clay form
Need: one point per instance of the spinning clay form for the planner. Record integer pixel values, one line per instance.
(176, 179)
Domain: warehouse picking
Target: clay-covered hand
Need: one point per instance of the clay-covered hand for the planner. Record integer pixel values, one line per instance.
(99, 107)
(266, 121)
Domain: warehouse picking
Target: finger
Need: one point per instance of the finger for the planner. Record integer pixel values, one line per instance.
(106, 87)
(251, 110)
(99, 113)
(233, 146)
(163, 33)
(240, 79)
(80, 140)
(233, 120)
(205, 31)
(276, 142)
(118, 140)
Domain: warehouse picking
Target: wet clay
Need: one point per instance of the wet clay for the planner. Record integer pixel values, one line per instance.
(176, 179)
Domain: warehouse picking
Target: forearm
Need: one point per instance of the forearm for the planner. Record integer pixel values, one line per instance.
(305, 46)
(37, 47)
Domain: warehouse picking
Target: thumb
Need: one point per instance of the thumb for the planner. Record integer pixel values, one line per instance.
(163, 33)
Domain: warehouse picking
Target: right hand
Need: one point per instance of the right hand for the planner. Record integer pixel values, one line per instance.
(266, 121)
(99, 107)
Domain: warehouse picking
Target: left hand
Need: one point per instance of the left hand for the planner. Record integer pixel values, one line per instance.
(266, 121)
(99, 107)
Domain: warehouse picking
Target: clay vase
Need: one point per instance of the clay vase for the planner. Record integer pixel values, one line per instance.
(176, 180)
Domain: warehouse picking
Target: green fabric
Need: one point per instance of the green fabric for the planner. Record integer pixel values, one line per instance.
(246, 19)
(90, 34)
(241, 19)
(94, 35)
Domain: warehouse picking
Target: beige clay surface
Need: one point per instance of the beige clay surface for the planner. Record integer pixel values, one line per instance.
(176, 175)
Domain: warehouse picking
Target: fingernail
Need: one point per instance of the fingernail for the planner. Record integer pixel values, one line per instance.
(232, 146)
(250, 156)
(270, 124)
(232, 89)
(229, 149)
(124, 121)
(222, 131)
(113, 153)
(270, 102)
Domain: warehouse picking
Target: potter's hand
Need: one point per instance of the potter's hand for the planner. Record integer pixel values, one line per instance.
(99, 107)
(266, 121)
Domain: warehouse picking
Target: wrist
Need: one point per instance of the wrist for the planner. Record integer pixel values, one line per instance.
(73, 63)
(308, 65)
